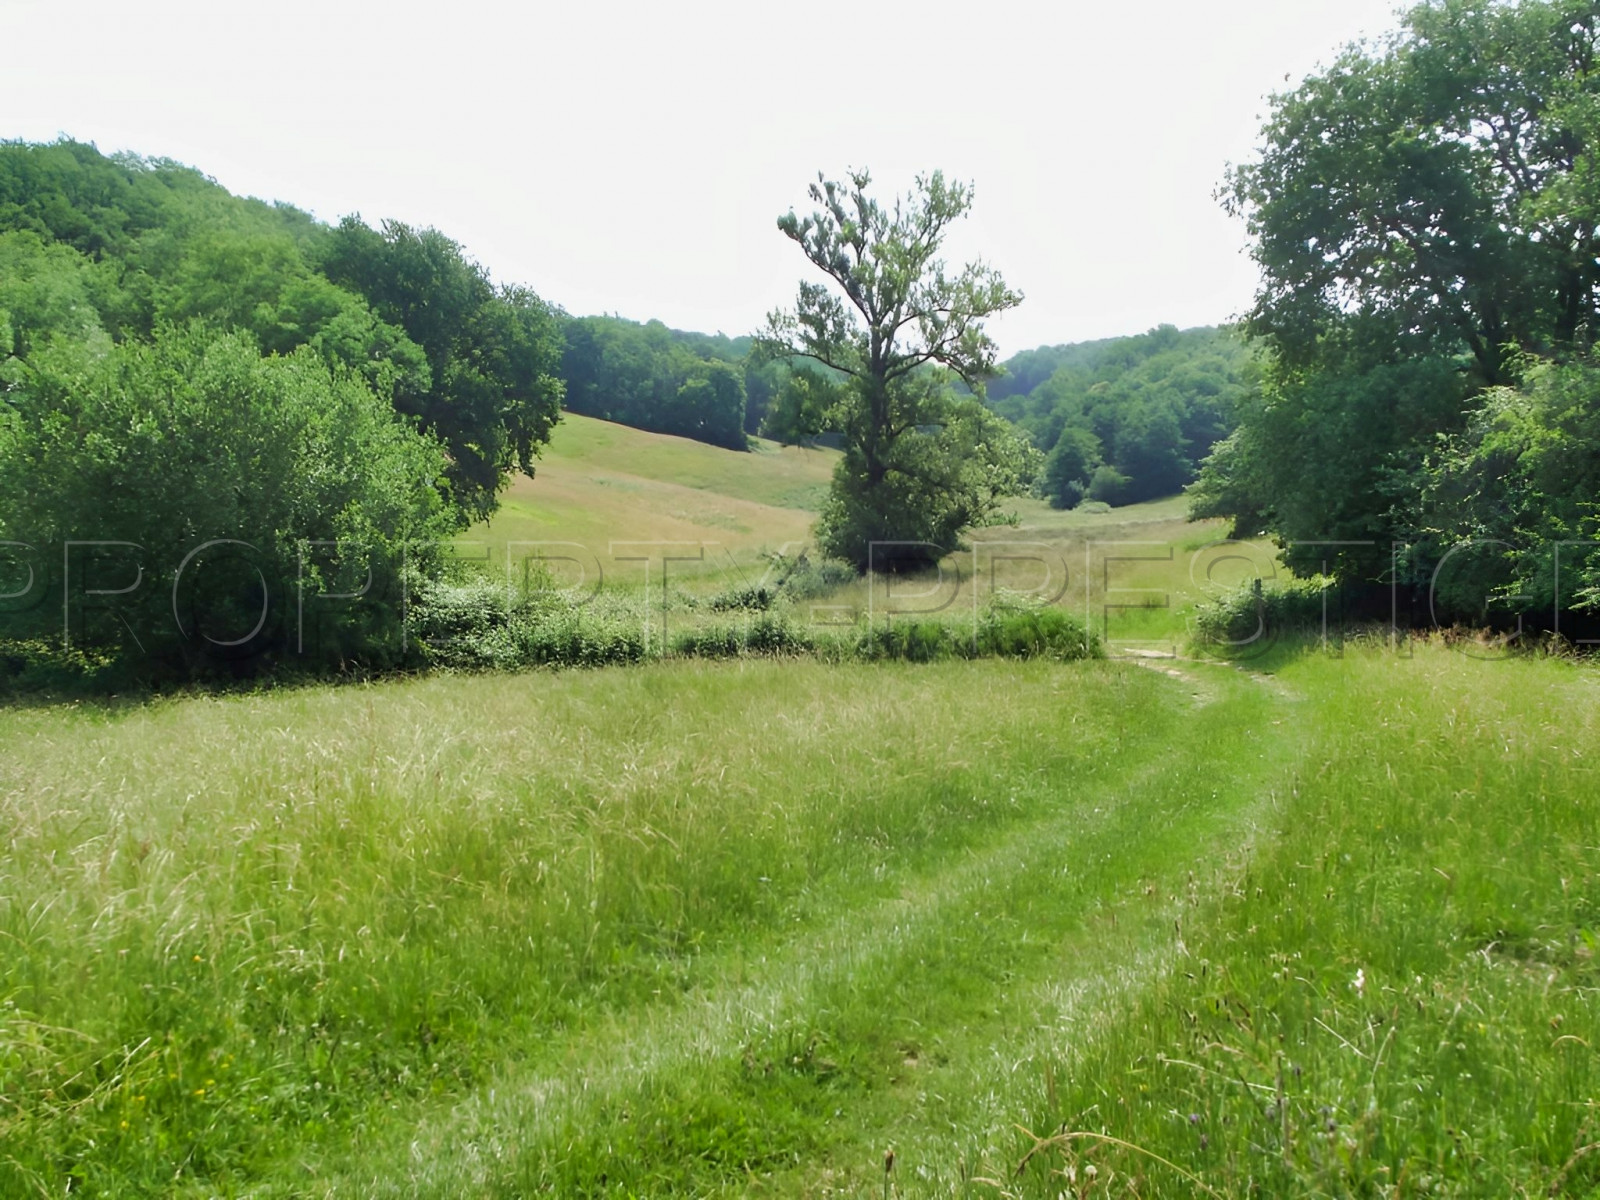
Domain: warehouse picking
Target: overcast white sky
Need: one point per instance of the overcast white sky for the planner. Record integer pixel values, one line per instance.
(632, 158)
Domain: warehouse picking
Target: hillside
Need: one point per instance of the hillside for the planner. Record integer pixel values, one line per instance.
(599, 482)
(1126, 419)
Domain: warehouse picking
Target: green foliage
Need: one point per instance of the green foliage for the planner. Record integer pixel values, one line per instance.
(654, 378)
(43, 666)
(106, 208)
(765, 634)
(1252, 619)
(1423, 214)
(477, 624)
(131, 221)
(1328, 458)
(127, 245)
(797, 579)
(122, 418)
(1512, 498)
(47, 291)
(763, 381)
(1107, 486)
(1070, 467)
(1436, 187)
(917, 641)
(1005, 630)
(711, 402)
(920, 464)
(473, 623)
(755, 598)
(1011, 630)
(195, 439)
(801, 578)
(263, 284)
(1025, 371)
(492, 393)
(936, 482)
(803, 406)
(1148, 407)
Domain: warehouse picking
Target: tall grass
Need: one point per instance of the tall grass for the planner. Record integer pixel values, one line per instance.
(717, 928)
(239, 929)
(1398, 994)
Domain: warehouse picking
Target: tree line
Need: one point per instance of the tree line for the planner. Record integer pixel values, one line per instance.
(703, 386)
(183, 368)
(1426, 221)
(315, 404)
(1125, 419)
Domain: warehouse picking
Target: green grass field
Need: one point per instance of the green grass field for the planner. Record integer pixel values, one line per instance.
(735, 929)
(1132, 574)
(1313, 924)
(598, 483)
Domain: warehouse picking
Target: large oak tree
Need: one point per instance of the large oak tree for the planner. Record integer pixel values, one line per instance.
(1426, 216)
(895, 328)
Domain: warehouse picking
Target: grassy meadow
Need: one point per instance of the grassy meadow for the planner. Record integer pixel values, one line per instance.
(598, 483)
(619, 502)
(1318, 923)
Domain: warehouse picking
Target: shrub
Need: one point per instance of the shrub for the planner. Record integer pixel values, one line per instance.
(196, 440)
(805, 580)
(797, 579)
(35, 665)
(1108, 484)
(771, 635)
(1034, 633)
(914, 641)
(576, 639)
(1253, 614)
(474, 623)
(764, 635)
(1010, 627)
(756, 599)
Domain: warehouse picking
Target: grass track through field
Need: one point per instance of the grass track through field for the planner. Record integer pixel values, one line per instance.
(910, 1021)
(736, 929)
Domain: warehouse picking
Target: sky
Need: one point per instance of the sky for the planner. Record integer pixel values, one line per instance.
(633, 158)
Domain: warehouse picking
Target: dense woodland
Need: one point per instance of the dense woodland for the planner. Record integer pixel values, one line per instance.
(181, 366)
(703, 386)
(1125, 419)
(102, 251)
(1426, 219)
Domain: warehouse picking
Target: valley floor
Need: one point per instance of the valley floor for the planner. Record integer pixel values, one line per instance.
(1309, 925)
